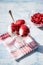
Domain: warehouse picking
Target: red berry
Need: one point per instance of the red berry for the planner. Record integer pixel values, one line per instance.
(24, 30)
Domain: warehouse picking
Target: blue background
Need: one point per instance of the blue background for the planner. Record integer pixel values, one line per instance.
(39, 1)
(37, 57)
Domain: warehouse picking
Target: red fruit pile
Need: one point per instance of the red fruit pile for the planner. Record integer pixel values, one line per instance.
(18, 26)
(37, 18)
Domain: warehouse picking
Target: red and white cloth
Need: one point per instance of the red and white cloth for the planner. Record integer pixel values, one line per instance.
(18, 46)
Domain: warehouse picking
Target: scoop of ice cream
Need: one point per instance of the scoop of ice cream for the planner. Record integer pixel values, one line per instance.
(24, 30)
(20, 22)
(11, 28)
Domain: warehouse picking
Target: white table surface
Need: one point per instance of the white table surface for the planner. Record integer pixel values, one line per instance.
(21, 11)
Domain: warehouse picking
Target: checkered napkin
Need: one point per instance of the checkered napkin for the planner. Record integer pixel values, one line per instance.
(18, 46)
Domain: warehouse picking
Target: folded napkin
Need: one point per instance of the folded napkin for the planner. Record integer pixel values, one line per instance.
(18, 46)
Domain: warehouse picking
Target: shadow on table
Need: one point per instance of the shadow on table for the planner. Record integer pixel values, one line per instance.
(40, 49)
(29, 54)
(41, 28)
